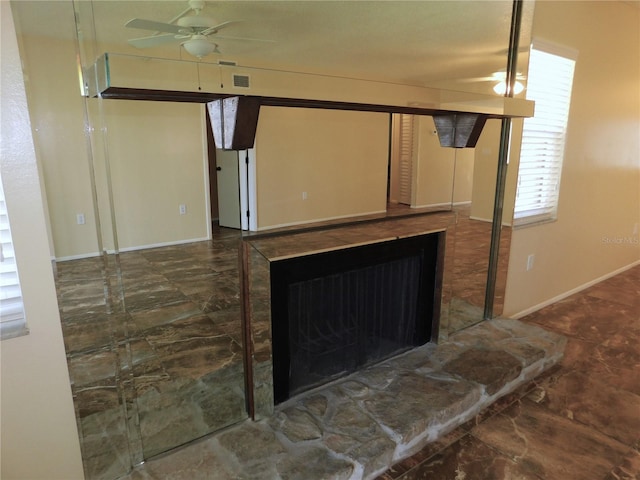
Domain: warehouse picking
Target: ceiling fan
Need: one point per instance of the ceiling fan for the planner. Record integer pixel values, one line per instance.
(190, 28)
(499, 76)
(499, 79)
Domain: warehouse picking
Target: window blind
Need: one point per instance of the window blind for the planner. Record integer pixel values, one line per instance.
(549, 84)
(406, 158)
(12, 318)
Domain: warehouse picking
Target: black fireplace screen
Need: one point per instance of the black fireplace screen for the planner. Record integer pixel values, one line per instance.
(335, 312)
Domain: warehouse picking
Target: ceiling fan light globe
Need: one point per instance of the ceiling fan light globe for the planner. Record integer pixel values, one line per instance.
(501, 88)
(199, 46)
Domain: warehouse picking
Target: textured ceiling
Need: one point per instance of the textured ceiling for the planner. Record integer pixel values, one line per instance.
(434, 43)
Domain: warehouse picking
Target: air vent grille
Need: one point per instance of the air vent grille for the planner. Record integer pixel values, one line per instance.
(241, 81)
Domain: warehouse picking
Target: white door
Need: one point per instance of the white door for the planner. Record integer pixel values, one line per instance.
(228, 188)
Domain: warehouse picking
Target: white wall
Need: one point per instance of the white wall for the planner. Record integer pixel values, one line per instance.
(38, 428)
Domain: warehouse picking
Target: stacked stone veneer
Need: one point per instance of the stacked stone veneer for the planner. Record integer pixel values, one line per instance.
(359, 426)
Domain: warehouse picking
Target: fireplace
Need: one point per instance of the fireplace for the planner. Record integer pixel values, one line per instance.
(429, 236)
(337, 311)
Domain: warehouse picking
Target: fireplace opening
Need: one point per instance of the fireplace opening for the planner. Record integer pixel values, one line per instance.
(336, 312)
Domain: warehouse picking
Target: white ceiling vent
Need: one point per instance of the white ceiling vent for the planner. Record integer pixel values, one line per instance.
(240, 81)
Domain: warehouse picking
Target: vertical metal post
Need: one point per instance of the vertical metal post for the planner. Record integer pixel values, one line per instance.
(503, 161)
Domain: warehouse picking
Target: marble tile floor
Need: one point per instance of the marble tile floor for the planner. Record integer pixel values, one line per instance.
(470, 266)
(162, 367)
(151, 365)
(579, 421)
(359, 426)
(162, 347)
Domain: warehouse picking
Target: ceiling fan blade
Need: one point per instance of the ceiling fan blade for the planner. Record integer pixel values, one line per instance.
(152, 41)
(215, 28)
(180, 15)
(152, 25)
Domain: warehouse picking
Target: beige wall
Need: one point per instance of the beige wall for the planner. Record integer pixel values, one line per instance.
(484, 175)
(458, 176)
(39, 439)
(434, 167)
(157, 153)
(463, 175)
(440, 175)
(599, 208)
(339, 158)
(157, 158)
(487, 152)
(56, 108)
(157, 162)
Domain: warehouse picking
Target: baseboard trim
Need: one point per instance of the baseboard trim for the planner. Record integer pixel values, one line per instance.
(432, 205)
(76, 257)
(568, 293)
(317, 220)
(131, 249)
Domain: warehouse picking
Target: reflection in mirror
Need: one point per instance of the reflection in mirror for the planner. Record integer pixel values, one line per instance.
(462, 180)
(144, 237)
(473, 232)
(473, 229)
(148, 283)
(166, 365)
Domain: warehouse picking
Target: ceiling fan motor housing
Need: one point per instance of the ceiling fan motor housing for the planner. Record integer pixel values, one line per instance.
(196, 21)
(196, 5)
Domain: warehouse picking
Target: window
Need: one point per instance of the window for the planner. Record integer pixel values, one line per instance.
(549, 84)
(12, 319)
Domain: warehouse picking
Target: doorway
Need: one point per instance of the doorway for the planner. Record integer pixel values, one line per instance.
(231, 185)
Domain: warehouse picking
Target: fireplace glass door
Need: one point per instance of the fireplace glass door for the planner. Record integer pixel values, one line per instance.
(336, 312)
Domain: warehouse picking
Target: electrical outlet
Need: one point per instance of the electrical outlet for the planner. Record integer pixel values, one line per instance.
(530, 260)
(304, 195)
(80, 218)
(183, 209)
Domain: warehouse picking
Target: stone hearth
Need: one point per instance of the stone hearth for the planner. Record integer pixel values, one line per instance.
(359, 426)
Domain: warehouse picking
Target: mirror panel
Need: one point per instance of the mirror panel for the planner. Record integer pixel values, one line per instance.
(149, 284)
(473, 229)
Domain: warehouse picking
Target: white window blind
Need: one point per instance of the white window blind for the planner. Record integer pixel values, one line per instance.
(549, 84)
(12, 319)
(406, 158)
